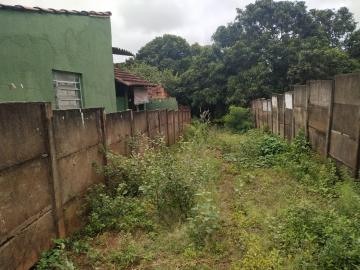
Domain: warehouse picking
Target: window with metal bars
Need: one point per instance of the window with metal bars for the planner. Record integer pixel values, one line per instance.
(67, 88)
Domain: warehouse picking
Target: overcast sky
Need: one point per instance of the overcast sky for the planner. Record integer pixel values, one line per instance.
(136, 22)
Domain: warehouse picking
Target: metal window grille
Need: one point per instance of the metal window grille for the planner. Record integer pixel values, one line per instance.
(67, 90)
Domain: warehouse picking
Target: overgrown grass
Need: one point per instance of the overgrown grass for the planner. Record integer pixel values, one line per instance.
(218, 200)
(155, 190)
(314, 226)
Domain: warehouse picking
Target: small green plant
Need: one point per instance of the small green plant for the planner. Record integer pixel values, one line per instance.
(238, 119)
(205, 221)
(56, 258)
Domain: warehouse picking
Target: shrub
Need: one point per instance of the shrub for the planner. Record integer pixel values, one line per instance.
(205, 220)
(238, 119)
(322, 239)
(115, 211)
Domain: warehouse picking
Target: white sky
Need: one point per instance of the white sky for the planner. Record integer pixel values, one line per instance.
(136, 22)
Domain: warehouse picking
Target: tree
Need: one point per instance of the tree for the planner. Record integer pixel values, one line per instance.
(167, 52)
(273, 44)
(266, 48)
(203, 85)
(353, 45)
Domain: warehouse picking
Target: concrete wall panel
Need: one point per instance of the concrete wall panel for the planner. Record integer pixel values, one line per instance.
(344, 117)
(76, 130)
(77, 172)
(24, 192)
(73, 214)
(21, 129)
(300, 96)
(343, 148)
(317, 140)
(347, 89)
(318, 118)
(319, 92)
(22, 251)
(140, 124)
(118, 131)
(153, 122)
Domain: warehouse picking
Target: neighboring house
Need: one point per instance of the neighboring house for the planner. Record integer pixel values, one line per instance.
(58, 56)
(157, 92)
(131, 91)
(160, 99)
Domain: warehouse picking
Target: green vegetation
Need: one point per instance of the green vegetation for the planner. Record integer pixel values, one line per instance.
(218, 200)
(238, 119)
(269, 46)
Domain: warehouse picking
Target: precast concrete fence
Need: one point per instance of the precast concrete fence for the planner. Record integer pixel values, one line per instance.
(327, 110)
(46, 167)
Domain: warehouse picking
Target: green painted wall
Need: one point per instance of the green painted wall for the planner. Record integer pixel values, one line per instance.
(33, 44)
(121, 104)
(167, 103)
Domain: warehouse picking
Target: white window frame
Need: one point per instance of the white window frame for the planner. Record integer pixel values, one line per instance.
(66, 85)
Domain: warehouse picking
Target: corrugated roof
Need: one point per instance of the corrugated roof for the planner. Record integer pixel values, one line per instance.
(55, 11)
(130, 79)
(120, 51)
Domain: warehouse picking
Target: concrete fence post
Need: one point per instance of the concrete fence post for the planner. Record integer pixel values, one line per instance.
(174, 129)
(132, 125)
(159, 121)
(329, 121)
(147, 124)
(55, 184)
(103, 138)
(167, 128)
(307, 101)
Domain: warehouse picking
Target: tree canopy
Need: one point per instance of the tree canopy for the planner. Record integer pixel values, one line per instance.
(166, 52)
(268, 47)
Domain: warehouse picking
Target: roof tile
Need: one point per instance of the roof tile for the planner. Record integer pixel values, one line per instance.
(130, 79)
(55, 11)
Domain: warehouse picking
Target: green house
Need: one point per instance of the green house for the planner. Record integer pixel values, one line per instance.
(58, 56)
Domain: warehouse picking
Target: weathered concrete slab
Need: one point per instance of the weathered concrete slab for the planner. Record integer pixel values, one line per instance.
(320, 92)
(318, 118)
(344, 119)
(77, 172)
(140, 123)
(74, 214)
(24, 191)
(343, 148)
(23, 251)
(154, 125)
(317, 140)
(21, 132)
(118, 132)
(347, 89)
(75, 130)
(300, 95)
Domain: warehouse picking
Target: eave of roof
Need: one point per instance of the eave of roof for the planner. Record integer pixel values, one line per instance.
(55, 11)
(119, 51)
(130, 79)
